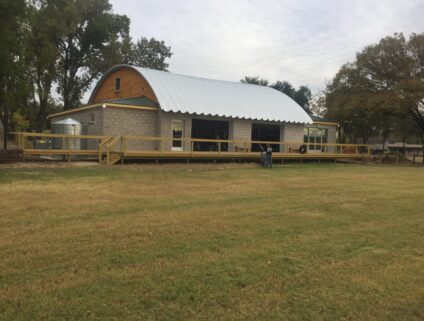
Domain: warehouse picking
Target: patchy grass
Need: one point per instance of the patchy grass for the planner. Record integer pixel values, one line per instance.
(329, 242)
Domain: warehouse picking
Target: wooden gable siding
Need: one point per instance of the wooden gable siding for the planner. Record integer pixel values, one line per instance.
(132, 85)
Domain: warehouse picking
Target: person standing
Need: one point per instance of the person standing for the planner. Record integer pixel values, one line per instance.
(268, 156)
(263, 155)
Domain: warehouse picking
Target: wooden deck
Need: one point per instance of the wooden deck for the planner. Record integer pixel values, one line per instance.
(111, 150)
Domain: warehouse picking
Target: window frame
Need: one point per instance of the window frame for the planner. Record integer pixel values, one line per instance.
(117, 84)
(179, 142)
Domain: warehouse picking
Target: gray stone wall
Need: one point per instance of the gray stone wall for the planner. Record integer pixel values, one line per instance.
(166, 119)
(332, 137)
(241, 129)
(134, 122)
(292, 133)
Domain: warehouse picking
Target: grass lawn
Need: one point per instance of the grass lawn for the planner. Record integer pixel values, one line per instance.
(303, 242)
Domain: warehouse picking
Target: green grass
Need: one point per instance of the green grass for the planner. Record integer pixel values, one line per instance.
(328, 242)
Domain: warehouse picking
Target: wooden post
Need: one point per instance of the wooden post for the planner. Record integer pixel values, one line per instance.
(100, 151)
(123, 144)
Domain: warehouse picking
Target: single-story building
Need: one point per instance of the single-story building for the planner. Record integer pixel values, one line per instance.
(137, 101)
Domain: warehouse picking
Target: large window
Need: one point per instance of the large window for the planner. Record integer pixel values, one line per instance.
(177, 135)
(316, 137)
(210, 129)
(267, 133)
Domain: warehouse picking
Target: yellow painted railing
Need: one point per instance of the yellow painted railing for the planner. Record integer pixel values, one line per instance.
(244, 146)
(102, 145)
(59, 144)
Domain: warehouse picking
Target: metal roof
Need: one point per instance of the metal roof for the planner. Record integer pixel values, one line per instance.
(200, 96)
(67, 121)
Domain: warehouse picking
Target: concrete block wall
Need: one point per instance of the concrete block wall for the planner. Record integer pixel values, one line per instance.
(134, 122)
(165, 129)
(240, 129)
(293, 133)
(332, 138)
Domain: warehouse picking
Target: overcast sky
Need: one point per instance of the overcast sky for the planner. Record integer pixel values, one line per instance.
(301, 41)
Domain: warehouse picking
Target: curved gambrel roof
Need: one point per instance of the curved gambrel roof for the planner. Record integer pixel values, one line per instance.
(200, 96)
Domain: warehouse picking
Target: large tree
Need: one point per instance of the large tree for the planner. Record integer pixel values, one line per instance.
(354, 103)
(11, 27)
(303, 97)
(285, 87)
(90, 28)
(150, 53)
(390, 80)
(42, 43)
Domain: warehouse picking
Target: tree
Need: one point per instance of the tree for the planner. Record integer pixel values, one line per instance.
(351, 102)
(395, 68)
(254, 81)
(12, 13)
(41, 54)
(285, 87)
(90, 28)
(317, 105)
(150, 53)
(303, 97)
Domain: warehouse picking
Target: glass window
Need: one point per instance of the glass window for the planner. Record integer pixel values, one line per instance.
(118, 84)
(316, 137)
(177, 134)
(305, 134)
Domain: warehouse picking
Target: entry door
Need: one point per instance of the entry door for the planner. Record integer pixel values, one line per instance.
(177, 135)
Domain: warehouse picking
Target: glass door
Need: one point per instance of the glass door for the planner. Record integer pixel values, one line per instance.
(316, 137)
(177, 135)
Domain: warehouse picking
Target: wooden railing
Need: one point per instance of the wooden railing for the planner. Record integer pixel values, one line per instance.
(61, 144)
(243, 146)
(103, 143)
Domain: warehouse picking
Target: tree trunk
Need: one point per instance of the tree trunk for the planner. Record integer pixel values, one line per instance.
(42, 115)
(403, 145)
(5, 125)
(422, 145)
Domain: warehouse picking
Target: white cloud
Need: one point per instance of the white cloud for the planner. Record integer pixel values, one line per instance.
(302, 41)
